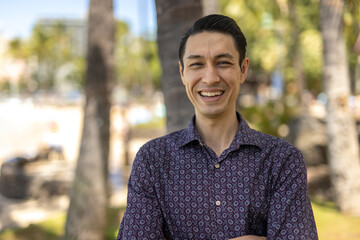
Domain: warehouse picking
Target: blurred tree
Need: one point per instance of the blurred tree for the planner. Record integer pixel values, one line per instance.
(18, 49)
(49, 48)
(352, 31)
(296, 51)
(52, 48)
(343, 145)
(86, 217)
(173, 18)
(137, 62)
(283, 40)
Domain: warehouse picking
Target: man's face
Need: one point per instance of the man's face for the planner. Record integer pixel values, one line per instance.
(211, 73)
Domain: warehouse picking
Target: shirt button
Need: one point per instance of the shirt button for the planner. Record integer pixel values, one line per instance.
(217, 165)
(218, 203)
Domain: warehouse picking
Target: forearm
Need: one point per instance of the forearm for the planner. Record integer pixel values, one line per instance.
(249, 237)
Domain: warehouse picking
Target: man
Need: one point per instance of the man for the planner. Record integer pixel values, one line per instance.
(217, 179)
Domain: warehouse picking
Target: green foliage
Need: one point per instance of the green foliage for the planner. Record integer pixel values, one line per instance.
(274, 30)
(114, 217)
(5, 86)
(137, 61)
(270, 117)
(155, 123)
(18, 49)
(311, 47)
(352, 32)
(77, 74)
(50, 47)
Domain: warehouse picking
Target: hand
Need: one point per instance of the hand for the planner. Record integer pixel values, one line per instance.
(249, 237)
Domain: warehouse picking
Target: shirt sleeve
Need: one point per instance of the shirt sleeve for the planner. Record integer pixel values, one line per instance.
(142, 218)
(290, 215)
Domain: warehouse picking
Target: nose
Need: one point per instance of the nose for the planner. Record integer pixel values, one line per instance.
(211, 76)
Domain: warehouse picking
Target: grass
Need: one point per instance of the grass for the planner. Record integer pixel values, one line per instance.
(53, 228)
(155, 123)
(50, 229)
(331, 224)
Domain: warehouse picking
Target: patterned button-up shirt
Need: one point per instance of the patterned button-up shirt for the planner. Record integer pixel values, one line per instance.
(180, 189)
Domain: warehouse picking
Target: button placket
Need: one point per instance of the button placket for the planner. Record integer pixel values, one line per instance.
(217, 185)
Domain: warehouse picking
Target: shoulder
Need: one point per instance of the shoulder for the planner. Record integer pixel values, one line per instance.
(168, 142)
(282, 157)
(267, 143)
(278, 154)
(156, 152)
(270, 143)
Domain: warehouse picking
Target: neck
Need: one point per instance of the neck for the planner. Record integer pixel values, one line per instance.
(217, 133)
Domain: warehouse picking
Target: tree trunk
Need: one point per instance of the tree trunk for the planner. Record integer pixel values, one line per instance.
(297, 55)
(210, 7)
(87, 212)
(173, 18)
(343, 146)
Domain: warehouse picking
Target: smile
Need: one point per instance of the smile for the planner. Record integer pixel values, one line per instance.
(211, 94)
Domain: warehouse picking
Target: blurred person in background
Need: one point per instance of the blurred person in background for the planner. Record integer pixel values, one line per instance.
(218, 178)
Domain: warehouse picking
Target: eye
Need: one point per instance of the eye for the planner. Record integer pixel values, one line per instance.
(224, 63)
(196, 64)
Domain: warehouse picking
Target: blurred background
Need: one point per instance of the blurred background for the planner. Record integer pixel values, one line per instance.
(303, 85)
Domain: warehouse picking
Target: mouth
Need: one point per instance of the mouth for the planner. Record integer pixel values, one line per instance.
(211, 94)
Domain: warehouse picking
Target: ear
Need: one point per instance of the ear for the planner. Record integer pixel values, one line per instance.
(181, 70)
(244, 69)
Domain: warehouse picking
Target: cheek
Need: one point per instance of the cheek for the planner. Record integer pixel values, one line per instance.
(232, 79)
(189, 86)
(190, 80)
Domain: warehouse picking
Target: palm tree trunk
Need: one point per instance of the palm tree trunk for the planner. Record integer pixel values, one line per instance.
(87, 212)
(173, 18)
(343, 146)
(297, 55)
(210, 7)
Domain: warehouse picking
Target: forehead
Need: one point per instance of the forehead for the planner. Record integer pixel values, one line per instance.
(210, 44)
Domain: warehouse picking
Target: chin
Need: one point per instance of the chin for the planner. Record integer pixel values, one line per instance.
(211, 114)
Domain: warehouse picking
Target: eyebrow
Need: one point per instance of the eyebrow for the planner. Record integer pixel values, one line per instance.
(223, 55)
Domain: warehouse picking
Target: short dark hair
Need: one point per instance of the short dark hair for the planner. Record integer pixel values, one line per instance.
(215, 23)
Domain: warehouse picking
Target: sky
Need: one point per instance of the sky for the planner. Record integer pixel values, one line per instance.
(17, 17)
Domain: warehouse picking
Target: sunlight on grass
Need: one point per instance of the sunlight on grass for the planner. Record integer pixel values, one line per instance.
(332, 225)
(50, 229)
(53, 228)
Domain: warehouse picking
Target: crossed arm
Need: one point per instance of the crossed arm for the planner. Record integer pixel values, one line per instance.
(249, 237)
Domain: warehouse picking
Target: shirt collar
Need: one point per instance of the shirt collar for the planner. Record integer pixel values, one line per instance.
(244, 136)
(189, 134)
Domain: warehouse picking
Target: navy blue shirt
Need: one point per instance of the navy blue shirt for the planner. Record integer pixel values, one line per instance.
(180, 189)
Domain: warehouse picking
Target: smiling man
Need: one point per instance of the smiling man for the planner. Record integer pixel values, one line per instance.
(218, 178)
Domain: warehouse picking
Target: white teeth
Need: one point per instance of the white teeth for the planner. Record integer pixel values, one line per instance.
(211, 94)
